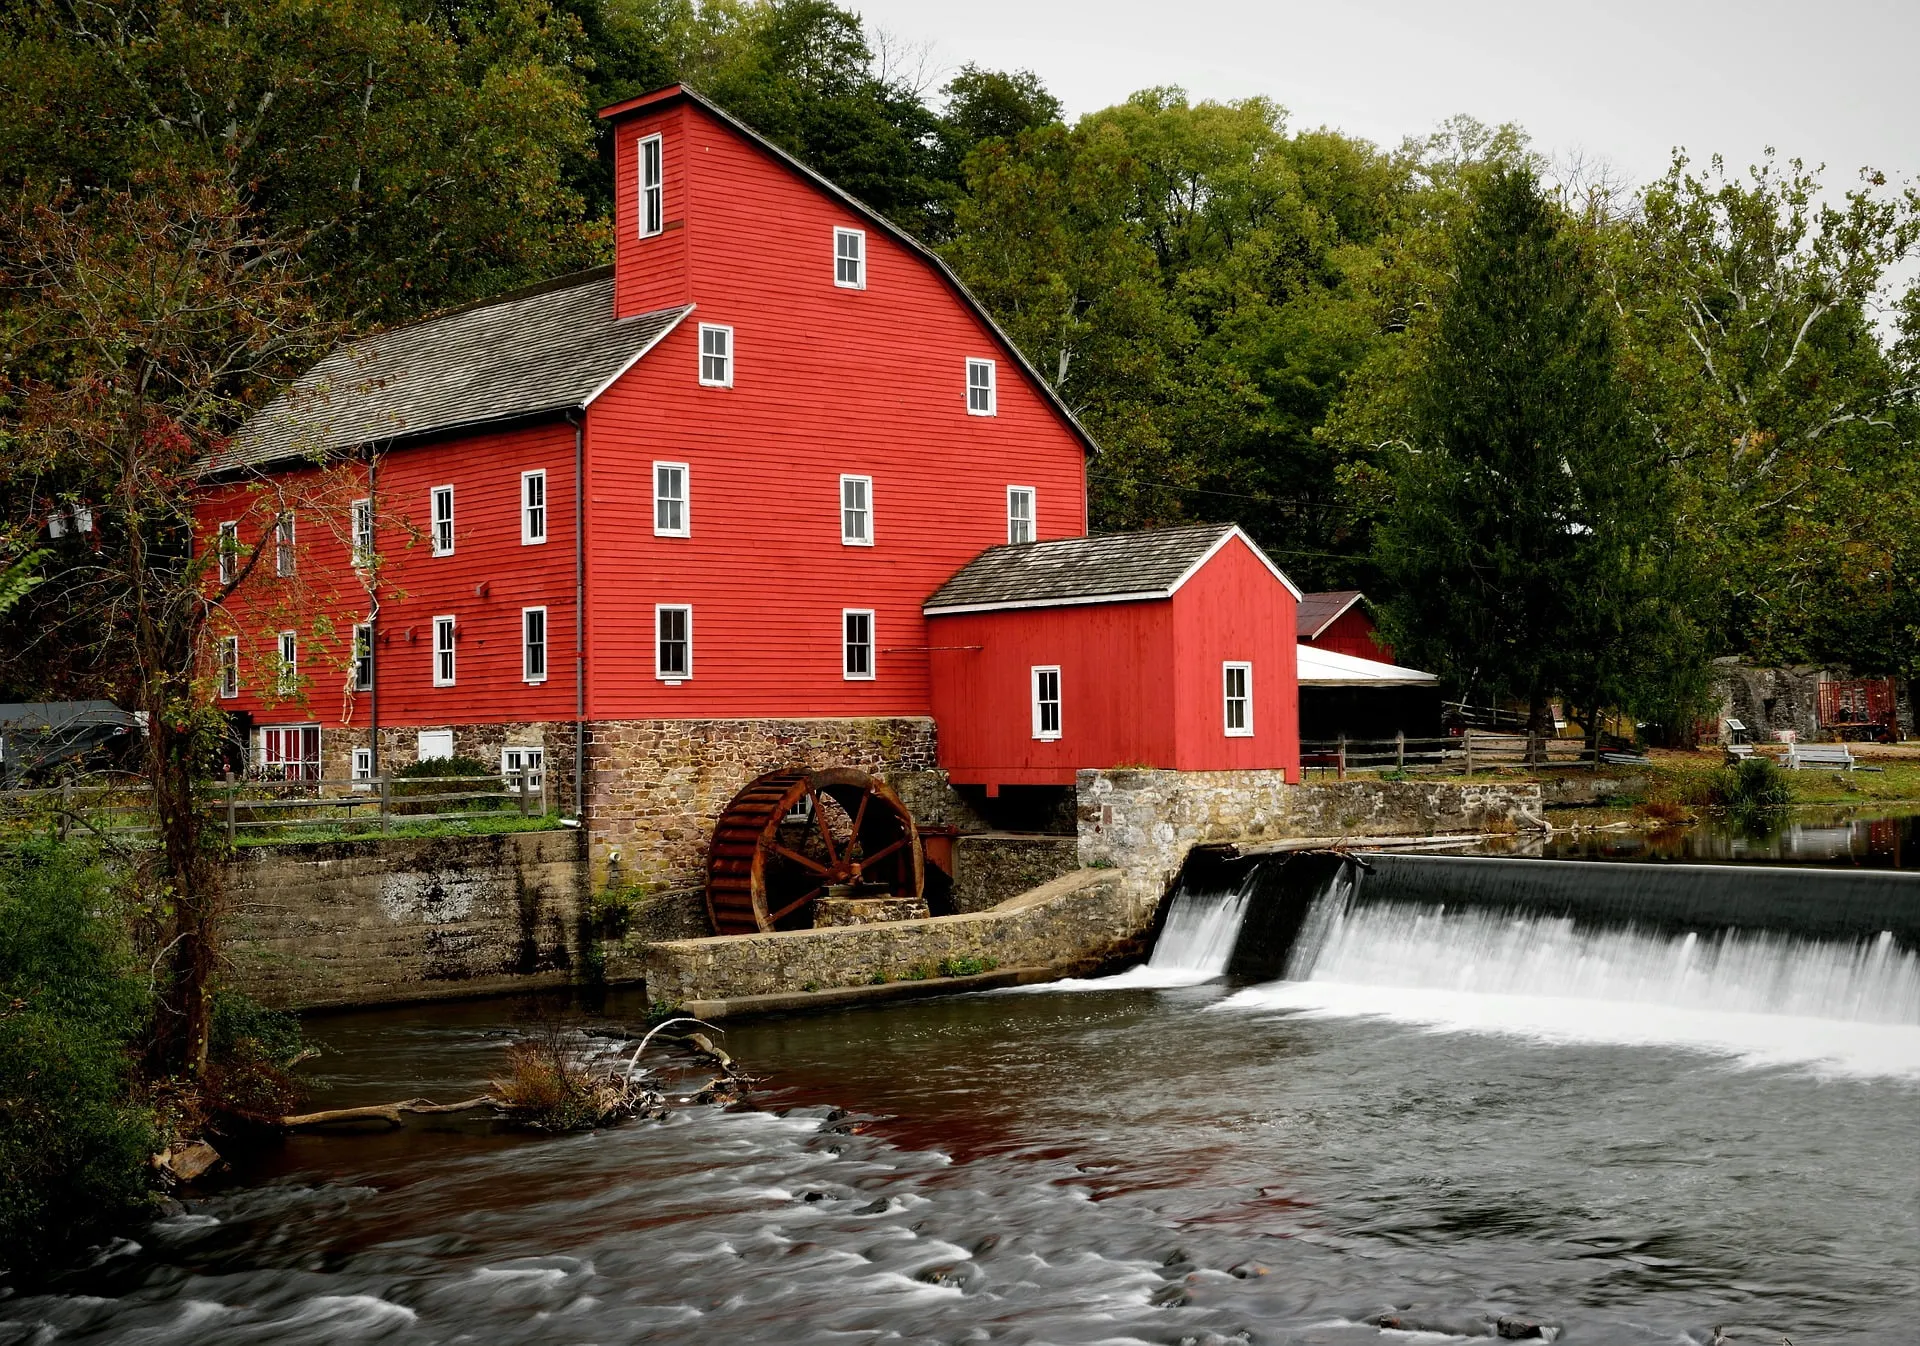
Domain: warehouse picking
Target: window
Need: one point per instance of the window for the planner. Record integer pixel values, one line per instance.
(363, 533)
(290, 752)
(229, 549)
(443, 521)
(289, 679)
(1020, 513)
(229, 665)
(1237, 686)
(1046, 702)
(533, 508)
(857, 631)
(670, 517)
(980, 399)
(362, 771)
(434, 744)
(283, 546)
(850, 259)
(513, 760)
(443, 651)
(716, 356)
(533, 644)
(653, 188)
(363, 657)
(856, 511)
(673, 643)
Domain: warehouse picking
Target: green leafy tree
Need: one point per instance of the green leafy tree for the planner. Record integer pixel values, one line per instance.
(1529, 503)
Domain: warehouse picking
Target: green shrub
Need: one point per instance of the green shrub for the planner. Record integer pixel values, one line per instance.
(74, 1145)
(250, 1054)
(1752, 783)
(426, 778)
(967, 967)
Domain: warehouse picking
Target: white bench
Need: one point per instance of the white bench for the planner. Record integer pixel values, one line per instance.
(1738, 752)
(1801, 756)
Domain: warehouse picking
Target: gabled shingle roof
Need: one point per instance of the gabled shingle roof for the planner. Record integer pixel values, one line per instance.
(540, 351)
(1318, 610)
(1107, 568)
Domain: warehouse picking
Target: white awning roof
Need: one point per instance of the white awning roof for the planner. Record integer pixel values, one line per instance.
(1324, 668)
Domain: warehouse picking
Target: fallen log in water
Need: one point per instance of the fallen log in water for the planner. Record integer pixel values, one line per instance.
(390, 1113)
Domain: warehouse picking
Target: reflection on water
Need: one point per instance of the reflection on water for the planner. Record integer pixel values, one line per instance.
(1138, 1166)
(1799, 836)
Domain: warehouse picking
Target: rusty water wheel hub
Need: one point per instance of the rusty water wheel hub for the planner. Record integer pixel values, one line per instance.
(792, 836)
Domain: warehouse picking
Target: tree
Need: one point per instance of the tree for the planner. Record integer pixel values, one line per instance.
(1528, 499)
(151, 319)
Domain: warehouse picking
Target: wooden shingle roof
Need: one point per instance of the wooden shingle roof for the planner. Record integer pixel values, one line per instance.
(545, 350)
(1105, 568)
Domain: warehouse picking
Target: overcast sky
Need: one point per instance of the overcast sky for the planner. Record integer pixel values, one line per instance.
(1832, 81)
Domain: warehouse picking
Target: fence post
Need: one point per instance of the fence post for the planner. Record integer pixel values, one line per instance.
(1533, 746)
(1466, 737)
(543, 785)
(230, 828)
(1342, 768)
(386, 798)
(523, 785)
(1400, 750)
(66, 807)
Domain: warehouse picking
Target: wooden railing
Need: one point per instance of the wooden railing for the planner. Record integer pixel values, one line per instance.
(1463, 753)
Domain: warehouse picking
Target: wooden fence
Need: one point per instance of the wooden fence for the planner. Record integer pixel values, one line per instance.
(1463, 753)
(124, 809)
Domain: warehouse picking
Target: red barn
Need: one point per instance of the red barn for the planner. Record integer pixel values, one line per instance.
(1337, 620)
(653, 529)
(1163, 649)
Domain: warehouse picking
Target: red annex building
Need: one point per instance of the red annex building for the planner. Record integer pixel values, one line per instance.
(654, 528)
(1337, 620)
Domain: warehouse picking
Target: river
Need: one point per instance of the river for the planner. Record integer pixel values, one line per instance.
(1138, 1160)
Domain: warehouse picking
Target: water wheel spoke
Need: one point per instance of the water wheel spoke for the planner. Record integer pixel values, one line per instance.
(798, 858)
(826, 830)
(870, 861)
(796, 904)
(859, 816)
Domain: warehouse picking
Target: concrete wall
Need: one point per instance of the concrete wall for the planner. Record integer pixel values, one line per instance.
(1143, 822)
(367, 922)
(1066, 924)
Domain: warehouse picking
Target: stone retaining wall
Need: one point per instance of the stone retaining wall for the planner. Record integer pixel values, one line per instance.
(380, 920)
(991, 867)
(1143, 822)
(1067, 924)
(656, 787)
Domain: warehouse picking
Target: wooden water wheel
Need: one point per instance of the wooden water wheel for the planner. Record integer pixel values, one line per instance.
(791, 835)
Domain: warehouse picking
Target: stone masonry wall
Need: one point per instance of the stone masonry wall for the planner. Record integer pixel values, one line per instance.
(1143, 822)
(366, 922)
(1065, 924)
(656, 787)
(991, 867)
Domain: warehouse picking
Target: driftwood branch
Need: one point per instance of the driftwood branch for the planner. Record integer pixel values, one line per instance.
(382, 1112)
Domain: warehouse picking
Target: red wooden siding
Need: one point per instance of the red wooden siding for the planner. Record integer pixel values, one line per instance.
(1234, 609)
(1352, 632)
(652, 273)
(826, 381)
(484, 584)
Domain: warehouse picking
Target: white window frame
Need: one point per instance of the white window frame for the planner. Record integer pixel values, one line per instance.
(1227, 698)
(229, 667)
(1014, 519)
(991, 388)
(285, 560)
(848, 645)
(227, 546)
(533, 513)
(672, 679)
(725, 332)
(653, 189)
(435, 522)
(446, 664)
(535, 757)
(360, 770)
(361, 525)
(850, 265)
(863, 538)
(354, 680)
(287, 676)
(684, 500)
(1035, 685)
(528, 645)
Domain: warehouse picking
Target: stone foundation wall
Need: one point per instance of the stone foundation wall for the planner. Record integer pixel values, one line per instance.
(368, 922)
(991, 867)
(656, 787)
(1067, 924)
(1144, 822)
